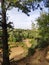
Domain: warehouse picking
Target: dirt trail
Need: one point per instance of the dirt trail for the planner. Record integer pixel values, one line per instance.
(27, 42)
(39, 58)
(18, 53)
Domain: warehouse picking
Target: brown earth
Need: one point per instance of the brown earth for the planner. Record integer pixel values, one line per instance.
(39, 58)
(18, 53)
(27, 42)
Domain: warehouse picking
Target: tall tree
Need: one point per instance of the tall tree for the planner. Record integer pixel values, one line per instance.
(5, 5)
(4, 35)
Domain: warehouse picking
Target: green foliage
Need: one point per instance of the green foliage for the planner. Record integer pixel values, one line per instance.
(31, 51)
(34, 43)
(42, 44)
(22, 44)
(43, 22)
(19, 35)
(5, 5)
(30, 0)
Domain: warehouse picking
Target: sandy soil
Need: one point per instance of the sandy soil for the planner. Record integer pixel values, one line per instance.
(37, 59)
(27, 42)
(19, 52)
(16, 52)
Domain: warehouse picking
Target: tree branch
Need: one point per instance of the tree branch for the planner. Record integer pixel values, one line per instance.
(8, 6)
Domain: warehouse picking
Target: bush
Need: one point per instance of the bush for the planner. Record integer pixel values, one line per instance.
(31, 51)
(42, 43)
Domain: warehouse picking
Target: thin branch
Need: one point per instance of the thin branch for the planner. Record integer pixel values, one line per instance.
(8, 6)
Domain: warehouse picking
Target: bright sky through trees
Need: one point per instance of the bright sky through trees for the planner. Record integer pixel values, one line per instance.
(21, 20)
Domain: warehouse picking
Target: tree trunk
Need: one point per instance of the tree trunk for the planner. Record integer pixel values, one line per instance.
(5, 36)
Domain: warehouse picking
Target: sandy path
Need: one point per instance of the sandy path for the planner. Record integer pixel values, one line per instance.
(19, 52)
(16, 52)
(27, 43)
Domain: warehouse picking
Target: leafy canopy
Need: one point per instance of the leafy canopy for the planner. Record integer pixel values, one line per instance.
(43, 23)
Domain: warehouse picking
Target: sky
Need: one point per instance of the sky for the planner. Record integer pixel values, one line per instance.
(21, 20)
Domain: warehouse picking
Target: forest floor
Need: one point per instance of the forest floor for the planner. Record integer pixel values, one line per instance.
(40, 57)
(18, 52)
(18, 56)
